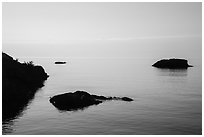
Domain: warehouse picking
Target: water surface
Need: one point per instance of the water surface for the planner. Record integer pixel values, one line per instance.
(165, 101)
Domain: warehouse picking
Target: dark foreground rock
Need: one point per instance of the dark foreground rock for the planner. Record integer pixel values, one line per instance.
(79, 100)
(60, 62)
(172, 64)
(20, 81)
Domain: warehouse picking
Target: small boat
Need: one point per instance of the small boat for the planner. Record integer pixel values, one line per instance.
(60, 62)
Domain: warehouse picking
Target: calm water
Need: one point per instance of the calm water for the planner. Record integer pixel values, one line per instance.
(165, 101)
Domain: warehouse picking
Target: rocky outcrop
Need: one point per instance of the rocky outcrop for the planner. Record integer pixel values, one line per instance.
(20, 81)
(79, 100)
(172, 64)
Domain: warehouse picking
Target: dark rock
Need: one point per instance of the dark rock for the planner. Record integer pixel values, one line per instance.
(172, 64)
(60, 62)
(79, 100)
(20, 81)
(126, 99)
(73, 101)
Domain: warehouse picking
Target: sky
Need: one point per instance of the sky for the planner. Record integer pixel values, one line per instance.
(100, 29)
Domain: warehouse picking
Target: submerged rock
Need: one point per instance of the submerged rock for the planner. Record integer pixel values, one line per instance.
(79, 100)
(172, 64)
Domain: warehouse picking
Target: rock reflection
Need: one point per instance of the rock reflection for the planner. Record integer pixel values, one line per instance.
(7, 127)
(172, 72)
(13, 112)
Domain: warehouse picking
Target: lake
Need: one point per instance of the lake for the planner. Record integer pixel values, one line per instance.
(165, 101)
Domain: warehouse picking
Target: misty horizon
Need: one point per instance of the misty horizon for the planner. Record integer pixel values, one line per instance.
(102, 29)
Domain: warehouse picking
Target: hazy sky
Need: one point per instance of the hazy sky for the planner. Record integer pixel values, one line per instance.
(69, 24)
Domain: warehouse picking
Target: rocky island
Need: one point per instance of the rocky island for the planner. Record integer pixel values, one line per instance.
(20, 81)
(172, 64)
(80, 99)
